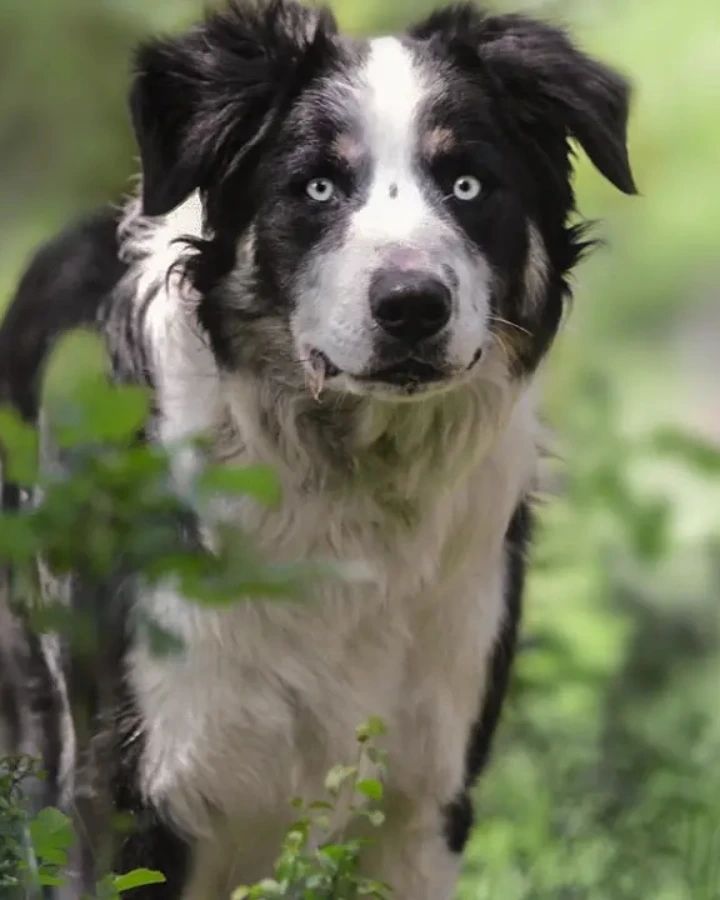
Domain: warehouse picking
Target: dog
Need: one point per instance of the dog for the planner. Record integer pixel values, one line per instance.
(346, 259)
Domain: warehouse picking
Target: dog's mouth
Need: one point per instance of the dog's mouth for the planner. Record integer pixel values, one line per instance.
(321, 362)
(408, 375)
(408, 372)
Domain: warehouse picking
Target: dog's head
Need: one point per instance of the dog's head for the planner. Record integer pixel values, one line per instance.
(381, 215)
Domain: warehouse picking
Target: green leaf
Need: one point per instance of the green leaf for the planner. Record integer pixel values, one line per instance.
(18, 448)
(377, 889)
(371, 788)
(376, 756)
(695, 451)
(296, 836)
(54, 856)
(105, 889)
(49, 879)
(322, 821)
(374, 727)
(51, 834)
(101, 413)
(161, 641)
(137, 878)
(19, 541)
(337, 776)
(651, 529)
(376, 817)
(259, 482)
(338, 853)
(270, 887)
(76, 357)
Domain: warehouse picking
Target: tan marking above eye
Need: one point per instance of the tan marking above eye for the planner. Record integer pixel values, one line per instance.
(438, 140)
(348, 148)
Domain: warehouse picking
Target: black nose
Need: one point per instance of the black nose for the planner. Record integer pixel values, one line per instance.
(411, 305)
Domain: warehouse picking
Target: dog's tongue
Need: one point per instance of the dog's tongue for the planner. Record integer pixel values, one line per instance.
(315, 375)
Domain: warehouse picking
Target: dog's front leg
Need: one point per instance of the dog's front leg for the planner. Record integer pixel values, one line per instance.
(411, 853)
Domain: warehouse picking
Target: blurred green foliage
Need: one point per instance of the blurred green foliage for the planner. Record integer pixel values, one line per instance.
(604, 783)
(111, 507)
(34, 849)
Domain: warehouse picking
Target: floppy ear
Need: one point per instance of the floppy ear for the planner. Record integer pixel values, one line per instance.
(201, 104)
(548, 80)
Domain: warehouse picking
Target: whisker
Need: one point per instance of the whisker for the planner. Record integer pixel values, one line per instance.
(505, 349)
(511, 324)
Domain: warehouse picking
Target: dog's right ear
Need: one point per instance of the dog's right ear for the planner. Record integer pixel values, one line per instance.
(541, 80)
(203, 103)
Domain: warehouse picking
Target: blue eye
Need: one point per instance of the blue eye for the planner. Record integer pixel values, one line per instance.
(467, 187)
(320, 190)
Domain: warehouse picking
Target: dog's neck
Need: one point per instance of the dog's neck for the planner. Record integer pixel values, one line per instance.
(341, 443)
(394, 451)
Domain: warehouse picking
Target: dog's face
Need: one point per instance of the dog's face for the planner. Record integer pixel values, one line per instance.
(374, 230)
(380, 214)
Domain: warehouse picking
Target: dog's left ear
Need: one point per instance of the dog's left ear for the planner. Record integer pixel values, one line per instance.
(203, 103)
(547, 82)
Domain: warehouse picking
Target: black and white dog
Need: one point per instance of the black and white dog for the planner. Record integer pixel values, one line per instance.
(347, 260)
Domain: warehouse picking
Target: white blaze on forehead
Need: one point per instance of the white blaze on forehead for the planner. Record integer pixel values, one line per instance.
(390, 91)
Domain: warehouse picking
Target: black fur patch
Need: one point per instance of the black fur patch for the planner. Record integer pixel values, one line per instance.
(459, 813)
(153, 844)
(149, 842)
(114, 823)
(205, 105)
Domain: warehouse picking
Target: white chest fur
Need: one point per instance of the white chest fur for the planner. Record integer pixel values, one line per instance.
(267, 696)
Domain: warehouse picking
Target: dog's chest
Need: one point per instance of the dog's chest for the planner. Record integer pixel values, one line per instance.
(266, 696)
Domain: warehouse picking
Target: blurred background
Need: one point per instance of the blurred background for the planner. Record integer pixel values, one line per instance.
(606, 777)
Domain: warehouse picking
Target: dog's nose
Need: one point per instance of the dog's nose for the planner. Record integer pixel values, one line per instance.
(408, 305)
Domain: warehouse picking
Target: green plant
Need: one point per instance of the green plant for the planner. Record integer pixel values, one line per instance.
(34, 848)
(315, 863)
(109, 506)
(14, 833)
